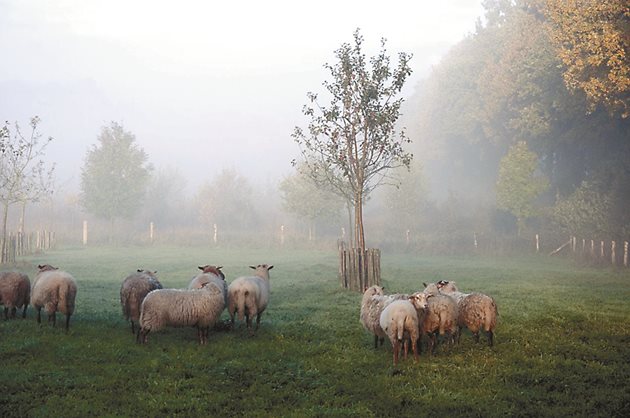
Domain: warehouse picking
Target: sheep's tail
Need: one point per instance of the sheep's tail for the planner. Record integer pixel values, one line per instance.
(400, 327)
(241, 304)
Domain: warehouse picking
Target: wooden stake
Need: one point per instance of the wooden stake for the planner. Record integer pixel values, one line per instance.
(613, 257)
(625, 253)
(85, 232)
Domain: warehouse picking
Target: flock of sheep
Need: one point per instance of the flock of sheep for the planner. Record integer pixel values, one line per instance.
(144, 301)
(440, 309)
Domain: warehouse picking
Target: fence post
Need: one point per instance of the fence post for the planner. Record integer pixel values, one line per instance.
(625, 253)
(151, 232)
(475, 240)
(537, 243)
(613, 258)
(281, 234)
(215, 236)
(601, 249)
(85, 232)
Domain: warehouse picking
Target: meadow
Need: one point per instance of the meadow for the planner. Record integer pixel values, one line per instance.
(562, 344)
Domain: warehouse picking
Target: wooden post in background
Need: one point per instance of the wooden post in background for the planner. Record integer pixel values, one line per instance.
(537, 243)
(613, 256)
(85, 232)
(151, 232)
(282, 235)
(625, 253)
(475, 240)
(601, 249)
(215, 235)
(592, 248)
(407, 236)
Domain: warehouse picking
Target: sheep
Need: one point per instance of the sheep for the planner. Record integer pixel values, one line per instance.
(249, 296)
(200, 308)
(133, 290)
(372, 304)
(440, 317)
(55, 290)
(399, 321)
(477, 311)
(15, 292)
(211, 274)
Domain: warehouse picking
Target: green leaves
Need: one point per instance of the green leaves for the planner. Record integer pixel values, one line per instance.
(115, 175)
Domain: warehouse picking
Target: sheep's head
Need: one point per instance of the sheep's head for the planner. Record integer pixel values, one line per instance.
(447, 287)
(148, 272)
(374, 290)
(216, 270)
(431, 289)
(46, 267)
(262, 270)
(420, 300)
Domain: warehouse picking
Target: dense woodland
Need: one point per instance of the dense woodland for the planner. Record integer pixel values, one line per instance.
(522, 128)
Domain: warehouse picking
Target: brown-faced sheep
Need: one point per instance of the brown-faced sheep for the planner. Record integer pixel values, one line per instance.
(15, 292)
(477, 311)
(249, 296)
(210, 274)
(54, 290)
(133, 290)
(440, 318)
(200, 308)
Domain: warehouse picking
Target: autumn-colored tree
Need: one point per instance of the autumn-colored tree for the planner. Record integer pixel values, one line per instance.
(518, 185)
(354, 141)
(593, 42)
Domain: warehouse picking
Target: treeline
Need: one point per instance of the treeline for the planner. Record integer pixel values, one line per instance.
(553, 75)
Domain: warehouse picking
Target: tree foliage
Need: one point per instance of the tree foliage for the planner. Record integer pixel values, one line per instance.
(115, 175)
(302, 197)
(24, 176)
(593, 42)
(228, 201)
(353, 141)
(518, 185)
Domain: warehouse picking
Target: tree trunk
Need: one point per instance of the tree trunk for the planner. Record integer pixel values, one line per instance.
(359, 235)
(5, 215)
(350, 223)
(21, 226)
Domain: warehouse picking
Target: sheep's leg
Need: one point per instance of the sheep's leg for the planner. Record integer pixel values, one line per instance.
(382, 340)
(39, 315)
(13, 312)
(53, 318)
(67, 322)
(432, 343)
(406, 348)
(258, 321)
(396, 351)
(414, 347)
(490, 338)
(459, 334)
(476, 336)
(24, 311)
(6, 313)
(142, 337)
(133, 328)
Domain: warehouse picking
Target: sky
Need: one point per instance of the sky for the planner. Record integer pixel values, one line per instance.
(202, 85)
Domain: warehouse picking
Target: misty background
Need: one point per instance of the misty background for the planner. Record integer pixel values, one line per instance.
(212, 92)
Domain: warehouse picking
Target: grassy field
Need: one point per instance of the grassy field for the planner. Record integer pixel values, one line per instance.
(562, 344)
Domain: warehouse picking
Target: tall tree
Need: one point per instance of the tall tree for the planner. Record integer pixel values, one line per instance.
(24, 177)
(353, 141)
(115, 175)
(593, 42)
(518, 185)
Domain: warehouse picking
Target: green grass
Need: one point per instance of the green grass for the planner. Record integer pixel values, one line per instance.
(562, 344)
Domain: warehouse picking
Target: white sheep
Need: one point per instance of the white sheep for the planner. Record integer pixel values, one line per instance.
(399, 320)
(54, 290)
(15, 292)
(200, 308)
(372, 304)
(440, 318)
(249, 296)
(133, 290)
(210, 274)
(477, 311)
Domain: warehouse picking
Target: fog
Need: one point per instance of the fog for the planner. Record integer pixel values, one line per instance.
(200, 84)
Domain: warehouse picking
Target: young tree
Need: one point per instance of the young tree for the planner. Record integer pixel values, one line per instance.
(518, 185)
(114, 176)
(353, 142)
(23, 175)
(302, 197)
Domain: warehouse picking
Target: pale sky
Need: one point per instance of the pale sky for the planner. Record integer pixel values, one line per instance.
(201, 84)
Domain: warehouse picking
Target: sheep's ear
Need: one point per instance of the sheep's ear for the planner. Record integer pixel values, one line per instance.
(140, 270)
(155, 272)
(200, 267)
(219, 267)
(252, 267)
(424, 284)
(270, 267)
(430, 295)
(40, 267)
